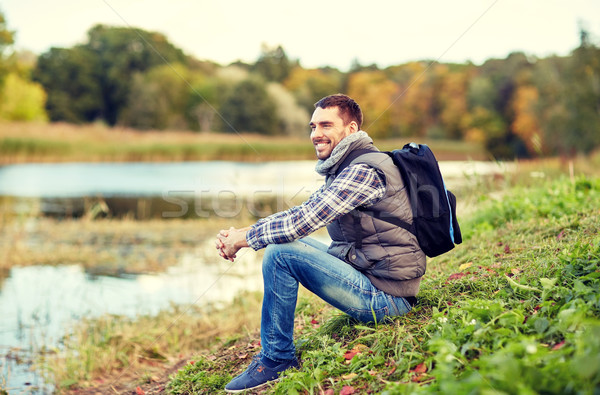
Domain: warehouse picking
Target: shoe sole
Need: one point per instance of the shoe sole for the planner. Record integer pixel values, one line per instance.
(252, 388)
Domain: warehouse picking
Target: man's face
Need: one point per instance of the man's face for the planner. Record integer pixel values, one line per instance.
(328, 129)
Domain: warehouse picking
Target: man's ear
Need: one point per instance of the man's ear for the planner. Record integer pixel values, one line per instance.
(353, 127)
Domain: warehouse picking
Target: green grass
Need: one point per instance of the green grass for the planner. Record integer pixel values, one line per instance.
(515, 309)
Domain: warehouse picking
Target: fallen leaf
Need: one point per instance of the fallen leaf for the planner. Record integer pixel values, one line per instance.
(328, 391)
(349, 376)
(507, 249)
(515, 271)
(420, 368)
(558, 345)
(139, 391)
(242, 356)
(314, 322)
(560, 235)
(347, 390)
(464, 266)
(350, 354)
(456, 276)
(391, 372)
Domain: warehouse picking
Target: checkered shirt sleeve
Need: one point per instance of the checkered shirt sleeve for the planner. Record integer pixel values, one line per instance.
(357, 185)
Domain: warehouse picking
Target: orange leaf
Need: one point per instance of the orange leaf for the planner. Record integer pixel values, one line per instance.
(350, 354)
(139, 391)
(420, 368)
(347, 390)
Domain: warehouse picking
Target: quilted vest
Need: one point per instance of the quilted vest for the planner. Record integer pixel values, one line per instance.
(390, 256)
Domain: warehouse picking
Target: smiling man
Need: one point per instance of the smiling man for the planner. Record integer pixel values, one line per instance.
(371, 269)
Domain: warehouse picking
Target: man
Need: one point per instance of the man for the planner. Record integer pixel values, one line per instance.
(371, 270)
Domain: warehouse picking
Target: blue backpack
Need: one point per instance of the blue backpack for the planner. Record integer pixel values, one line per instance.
(434, 207)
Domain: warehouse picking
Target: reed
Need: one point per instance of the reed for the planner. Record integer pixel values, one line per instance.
(59, 142)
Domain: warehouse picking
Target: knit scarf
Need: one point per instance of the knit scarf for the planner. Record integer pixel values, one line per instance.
(356, 140)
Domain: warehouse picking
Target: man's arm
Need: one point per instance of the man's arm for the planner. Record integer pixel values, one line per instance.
(230, 241)
(357, 185)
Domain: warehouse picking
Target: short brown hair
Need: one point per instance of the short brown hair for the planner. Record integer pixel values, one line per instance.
(348, 108)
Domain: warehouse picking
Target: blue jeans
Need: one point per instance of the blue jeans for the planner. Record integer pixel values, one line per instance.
(306, 261)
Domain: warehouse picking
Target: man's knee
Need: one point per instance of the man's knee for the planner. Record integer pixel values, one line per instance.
(276, 254)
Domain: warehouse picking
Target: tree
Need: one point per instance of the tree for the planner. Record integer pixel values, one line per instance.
(525, 123)
(119, 54)
(93, 81)
(375, 94)
(451, 101)
(583, 98)
(412, 107)
(157, 99)
(310, 85)
(273, 64)
(292, 118)
(7, 39)
(248, 108)
(551, 107)
(22, 100)
(70, 80)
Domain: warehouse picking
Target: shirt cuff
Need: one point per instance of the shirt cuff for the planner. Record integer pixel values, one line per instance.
(252, 240)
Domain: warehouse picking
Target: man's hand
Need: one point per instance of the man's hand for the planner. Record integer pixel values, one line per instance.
(230, 241)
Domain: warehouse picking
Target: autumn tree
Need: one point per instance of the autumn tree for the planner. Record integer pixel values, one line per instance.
(412, 107)
(310, 85)
(375, 93)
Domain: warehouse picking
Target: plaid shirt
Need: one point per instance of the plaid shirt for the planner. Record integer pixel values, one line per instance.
(357, 185)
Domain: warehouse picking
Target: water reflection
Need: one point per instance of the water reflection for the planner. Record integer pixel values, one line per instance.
(39, 303)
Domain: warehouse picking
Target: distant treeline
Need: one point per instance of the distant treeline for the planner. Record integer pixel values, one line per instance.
(518, 106)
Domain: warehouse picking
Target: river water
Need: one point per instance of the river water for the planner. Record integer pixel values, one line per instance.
(35, 312)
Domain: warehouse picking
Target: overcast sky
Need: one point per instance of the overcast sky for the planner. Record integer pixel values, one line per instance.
(321, 32)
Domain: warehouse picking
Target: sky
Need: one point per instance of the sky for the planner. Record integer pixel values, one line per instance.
(320, 32)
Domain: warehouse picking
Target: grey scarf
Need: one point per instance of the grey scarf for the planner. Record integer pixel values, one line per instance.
(356, 140)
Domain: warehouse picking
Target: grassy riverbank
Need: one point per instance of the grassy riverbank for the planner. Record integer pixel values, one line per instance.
(514, 309)
(30, 142)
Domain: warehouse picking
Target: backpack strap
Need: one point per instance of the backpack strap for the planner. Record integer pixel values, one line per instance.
(351, 156)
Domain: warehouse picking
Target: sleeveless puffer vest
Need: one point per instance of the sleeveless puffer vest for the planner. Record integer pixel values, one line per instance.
(390, 256)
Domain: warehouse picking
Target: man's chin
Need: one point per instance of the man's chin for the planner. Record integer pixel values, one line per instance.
(323, 155)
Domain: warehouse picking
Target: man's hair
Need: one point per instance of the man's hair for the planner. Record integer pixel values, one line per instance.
(348, 108)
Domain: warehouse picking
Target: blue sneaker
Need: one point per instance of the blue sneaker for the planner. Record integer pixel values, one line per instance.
(258, 374)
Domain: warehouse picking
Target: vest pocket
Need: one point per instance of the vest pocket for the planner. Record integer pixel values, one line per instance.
(357, 259)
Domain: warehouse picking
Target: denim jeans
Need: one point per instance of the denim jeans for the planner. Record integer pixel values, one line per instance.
(307, 262)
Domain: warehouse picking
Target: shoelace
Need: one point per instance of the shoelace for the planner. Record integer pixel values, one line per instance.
(255, 361)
